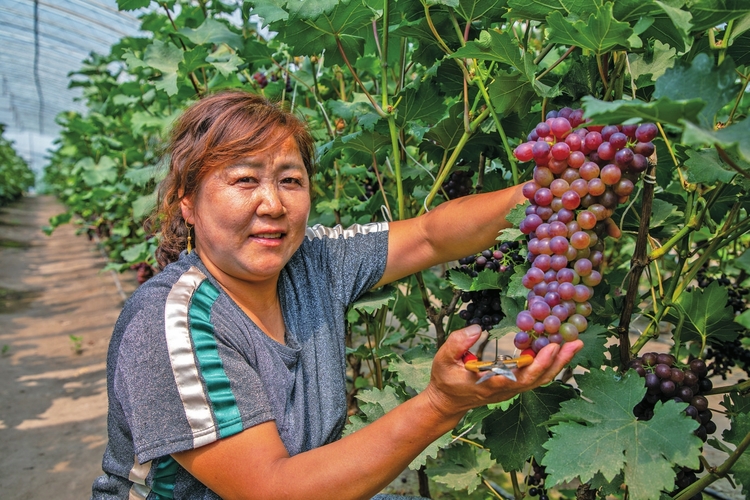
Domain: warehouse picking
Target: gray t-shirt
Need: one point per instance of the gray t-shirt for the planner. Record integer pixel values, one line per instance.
(186, 366)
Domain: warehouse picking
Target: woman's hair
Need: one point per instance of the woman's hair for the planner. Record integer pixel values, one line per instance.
(213, 133)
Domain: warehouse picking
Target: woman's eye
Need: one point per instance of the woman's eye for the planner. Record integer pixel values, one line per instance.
(292, 180)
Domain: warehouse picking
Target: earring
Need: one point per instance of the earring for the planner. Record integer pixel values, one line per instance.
(189, 237)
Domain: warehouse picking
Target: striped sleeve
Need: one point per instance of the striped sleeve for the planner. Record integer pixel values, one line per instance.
(178, 379)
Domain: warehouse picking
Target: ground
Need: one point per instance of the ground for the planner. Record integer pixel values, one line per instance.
(57, 309)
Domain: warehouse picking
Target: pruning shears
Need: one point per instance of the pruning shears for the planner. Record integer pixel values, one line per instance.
(502, 365)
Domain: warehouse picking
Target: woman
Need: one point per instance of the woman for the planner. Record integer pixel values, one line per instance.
(226, 371)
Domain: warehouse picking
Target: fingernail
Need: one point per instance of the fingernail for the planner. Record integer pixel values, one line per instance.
(472, 330)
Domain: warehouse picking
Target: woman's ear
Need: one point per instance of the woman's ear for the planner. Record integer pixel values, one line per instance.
(186, 206)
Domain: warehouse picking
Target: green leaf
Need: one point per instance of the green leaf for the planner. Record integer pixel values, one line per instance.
(213, 32)
(378, 402)
(515, 285)
(431, 451)
(743, 319)
(462, 467)
(517, 213)
(511, 93)
(706, 167)
(485, 280)
(737, 409)
(598, 433)
(539, 9)
(701, 80)
(144, 205)
(314, 30)
(710, 13)
(707, 314)
(732, 137)
(194, 59)
(592, 355)
(225, 60)
(415, 374)
(599, 33)
(663, 110)
(516, 434)
(132, 4)
(372, 301)
(494, 46)
(163, 56)
(136, 253)
(662, 58)
(470, 10)
(94, 174)
(424, 104)
(743, 262)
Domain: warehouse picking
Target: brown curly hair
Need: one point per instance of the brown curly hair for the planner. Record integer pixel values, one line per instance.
(212, 133)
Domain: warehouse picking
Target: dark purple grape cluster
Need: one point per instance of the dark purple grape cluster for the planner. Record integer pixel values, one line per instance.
(483, 306)
(665, 380)
(458, 184)
(581, 174)
(535, 481)
(260, 79)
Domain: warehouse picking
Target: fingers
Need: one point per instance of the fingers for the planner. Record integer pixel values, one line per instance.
(460, 341)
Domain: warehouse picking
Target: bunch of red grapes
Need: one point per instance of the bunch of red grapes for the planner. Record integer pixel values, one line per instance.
(582, 174)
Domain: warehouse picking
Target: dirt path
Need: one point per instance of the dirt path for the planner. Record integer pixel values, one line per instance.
(57, 310)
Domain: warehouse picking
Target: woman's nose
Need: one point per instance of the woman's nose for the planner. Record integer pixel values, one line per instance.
(270, 202)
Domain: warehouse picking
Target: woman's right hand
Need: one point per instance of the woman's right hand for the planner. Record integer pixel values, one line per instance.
(453, 389)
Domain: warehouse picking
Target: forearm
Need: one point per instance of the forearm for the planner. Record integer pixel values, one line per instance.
(363, 463)
(470, 224)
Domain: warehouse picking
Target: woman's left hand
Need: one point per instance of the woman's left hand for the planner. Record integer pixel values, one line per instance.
(453, 389)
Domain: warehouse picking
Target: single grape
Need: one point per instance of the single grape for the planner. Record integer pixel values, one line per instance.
(646, 132)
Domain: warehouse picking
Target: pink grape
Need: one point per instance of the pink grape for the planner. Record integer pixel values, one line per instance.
(523, 151)
(589, 170)
(569, 332)
(525, 321)
(560, 127)
(593, 140)
(571, 200)
(560, 151)
(646, 132)
(529, 189)
(618, 140)
(543, 197)
(611, 174)
(552, 324)
(606, 151)
(522, 340)
(576, 158)
(580, 240)
(558, 228)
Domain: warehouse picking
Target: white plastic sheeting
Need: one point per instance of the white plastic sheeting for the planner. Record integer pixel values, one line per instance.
(41, 41)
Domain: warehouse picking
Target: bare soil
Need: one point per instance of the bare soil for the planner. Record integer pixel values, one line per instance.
(57, 310)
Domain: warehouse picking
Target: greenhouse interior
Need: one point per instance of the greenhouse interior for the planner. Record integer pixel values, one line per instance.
(498, 248)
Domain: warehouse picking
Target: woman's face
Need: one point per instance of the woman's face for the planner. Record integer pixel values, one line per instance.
(251, 216)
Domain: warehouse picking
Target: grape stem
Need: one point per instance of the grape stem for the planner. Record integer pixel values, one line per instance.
(638, 264)
(715, 474)
(741, 387)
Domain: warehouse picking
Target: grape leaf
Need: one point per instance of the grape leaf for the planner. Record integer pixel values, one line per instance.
(166, 58)
(515, 434)
(374, 300)
(485, 280)
(462, 467)
(144, 205)
(423, 103)
(318, 30)
(707, 314)
(655, 64)
(732, 137)
(599, 33)
(710, 13)
(214, 32)
(743, 262)
(701, 80)
(132, 4)
(737, 410)
(539, 9)
(95, 173)
(494, 46)
(599, 433)
(416, 373)
(592, 354)
(194, 59)
(511, 93)
(517, 213)
(470, 10)
(515, 285)
(663, 110)
(706, 167)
